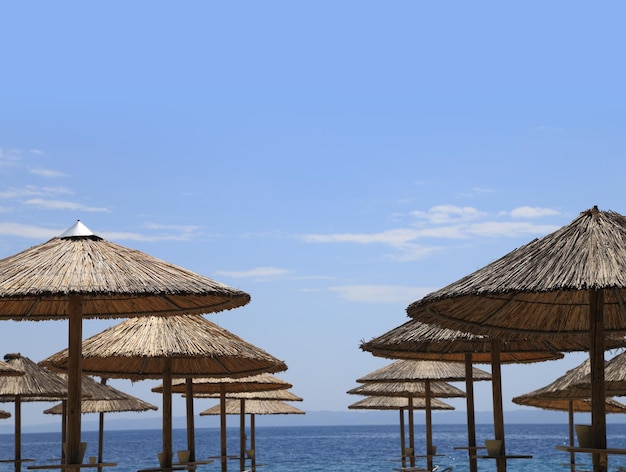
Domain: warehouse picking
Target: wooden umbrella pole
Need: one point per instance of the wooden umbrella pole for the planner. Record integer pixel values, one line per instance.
(429, 427)
(167, 413)
(18, 432)
(242, 434)
(252, 444)
(74, 374)
(471, 416)
(191, 428)
(223, 427)
(570, 415)
(103, 381)
(498, 417)
(411, 432)
(598, 393)
(402, 440)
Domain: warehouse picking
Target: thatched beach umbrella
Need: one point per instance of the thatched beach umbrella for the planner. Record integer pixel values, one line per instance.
(614, 377)
(417, 340)
(425, 371)
(253, 408)
(102, 399)
(4, 415)
(37, 384)
(80, 275)
(166, 347)
(401, 404)
(569, 282)
(564, 394)
(222, 386)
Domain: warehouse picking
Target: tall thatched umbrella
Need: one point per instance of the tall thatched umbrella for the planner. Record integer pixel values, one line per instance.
(164, 347)
(565, 395)
(37, 384)
(80, 275)
(425, 371)
(417, 340)
(102, 399)
(569, 282)
(222, 386)
(253, 408)
(401, 404)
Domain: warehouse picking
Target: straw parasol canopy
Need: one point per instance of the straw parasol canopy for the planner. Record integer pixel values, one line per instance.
(283, 395)
(36, 384)
(374, 402)
(163, 347)
(416, 389)
(255, 407)
(569, 282)
(8, 370)
(614, 377)
(79, 274)
(138, 348)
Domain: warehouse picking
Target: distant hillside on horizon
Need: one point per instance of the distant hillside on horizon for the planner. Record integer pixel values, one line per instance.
(311, 418)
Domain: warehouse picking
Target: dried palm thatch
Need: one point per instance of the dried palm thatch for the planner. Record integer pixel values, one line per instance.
(408, 389)
(255, 407)
(209, 385)
(37, 383)
(4, 415)
(614, 377)
(395, 403)
(409, 370)
(138, 348)
(112, 280)
(283, 395)
(417, 340)
(7, 370)
(564, 387)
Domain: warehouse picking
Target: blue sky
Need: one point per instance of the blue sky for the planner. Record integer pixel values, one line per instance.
(336, 160)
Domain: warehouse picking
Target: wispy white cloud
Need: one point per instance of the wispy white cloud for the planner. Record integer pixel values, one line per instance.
(533, 212)
(28, 231)
(257, 272)
(380, 293)
(444, 222)
(449, 214)
(48, 173)
(33, 191)
(63, 205)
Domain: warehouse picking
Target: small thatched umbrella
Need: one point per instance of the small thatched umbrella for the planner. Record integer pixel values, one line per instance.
(417, 340)
(570, 282)
(253, 408)
(564, 394)
(426, 371)
(80, 275)
(221, 386)
(37, 384)
(614, 377)
(4, 415)
(398, 403)
(163, 347)
(102, 399)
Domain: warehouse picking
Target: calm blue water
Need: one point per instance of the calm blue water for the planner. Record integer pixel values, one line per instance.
(323, 448)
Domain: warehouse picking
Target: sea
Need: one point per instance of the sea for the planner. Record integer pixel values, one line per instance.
(323, 448)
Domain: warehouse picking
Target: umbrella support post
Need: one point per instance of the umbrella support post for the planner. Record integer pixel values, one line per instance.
(411, 432)
(598, 393)
(429, 427)
(74, 375)
(402, 440)
(191, 429)
(242, 435)
(498, 417)
(471, 417)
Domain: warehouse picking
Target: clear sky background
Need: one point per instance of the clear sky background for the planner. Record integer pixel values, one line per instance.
(335, 160)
